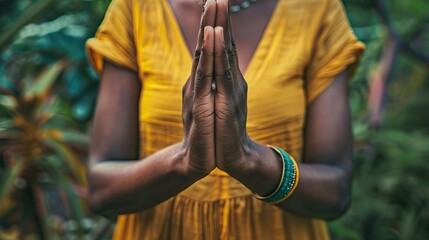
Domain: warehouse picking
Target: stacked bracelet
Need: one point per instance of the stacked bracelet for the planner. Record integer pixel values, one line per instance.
(288, 180)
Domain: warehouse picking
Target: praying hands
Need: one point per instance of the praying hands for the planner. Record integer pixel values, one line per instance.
(215, 97)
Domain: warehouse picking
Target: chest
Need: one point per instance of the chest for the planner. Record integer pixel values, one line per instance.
(248, 25)
(274, 73)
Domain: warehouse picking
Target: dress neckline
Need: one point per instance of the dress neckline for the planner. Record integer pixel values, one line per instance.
(263, 38)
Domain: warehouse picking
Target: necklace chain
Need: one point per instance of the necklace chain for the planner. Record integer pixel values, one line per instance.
(235, 8)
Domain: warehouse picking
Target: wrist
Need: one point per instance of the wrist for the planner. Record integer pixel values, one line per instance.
(288, 181)
(248, 161)
(240, 161)
(186, 169)
(260, 170)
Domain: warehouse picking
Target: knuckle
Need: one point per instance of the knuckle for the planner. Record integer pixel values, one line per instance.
(199, 84)
(201, 80)
(197, 55)
(233, 46)
(227, 79)
(231, 52)
(228, 74)
(207, 52)
(198, 74)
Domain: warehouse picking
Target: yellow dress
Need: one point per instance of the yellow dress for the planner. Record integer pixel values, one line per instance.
(305, 44)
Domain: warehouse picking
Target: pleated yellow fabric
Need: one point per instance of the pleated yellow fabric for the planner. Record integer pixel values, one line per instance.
(305, 45)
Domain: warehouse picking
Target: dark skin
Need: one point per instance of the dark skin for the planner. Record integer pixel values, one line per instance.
(119, 184)
(188, 14)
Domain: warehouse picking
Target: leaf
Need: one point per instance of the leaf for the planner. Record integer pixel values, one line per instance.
(9, 178)
(30, 13)
(77, 167)
(75, 137)
(65, 185)
(6, 124)
(68, 136)
(8, 102)
(43, 83)
(48, 109)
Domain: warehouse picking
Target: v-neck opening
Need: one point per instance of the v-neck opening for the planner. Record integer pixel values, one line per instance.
(256, 51)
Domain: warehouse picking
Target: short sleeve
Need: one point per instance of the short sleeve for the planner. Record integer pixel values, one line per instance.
(114, 39)
(335, 48)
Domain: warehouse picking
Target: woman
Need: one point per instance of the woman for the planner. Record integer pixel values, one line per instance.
(205, 170)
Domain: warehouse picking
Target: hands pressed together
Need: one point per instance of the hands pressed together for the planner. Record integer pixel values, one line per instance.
(215, 97)
(214, 119)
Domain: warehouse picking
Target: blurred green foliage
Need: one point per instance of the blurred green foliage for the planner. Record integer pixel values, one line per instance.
(48, 91)
(390, 188)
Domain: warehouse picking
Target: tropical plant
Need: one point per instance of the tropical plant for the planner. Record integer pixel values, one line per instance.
(390, 107)
(47, 93)
(48, 90)
(37, 150)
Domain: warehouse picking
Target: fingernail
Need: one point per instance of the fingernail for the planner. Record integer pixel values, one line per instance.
(221, 34)
(206, 32)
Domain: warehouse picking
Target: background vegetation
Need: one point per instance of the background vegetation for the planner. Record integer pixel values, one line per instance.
(48, 90)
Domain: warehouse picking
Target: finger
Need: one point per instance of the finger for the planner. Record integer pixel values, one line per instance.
(204, 72)
(207, 19)
(222, 69)
(223, 20)
(233, 47)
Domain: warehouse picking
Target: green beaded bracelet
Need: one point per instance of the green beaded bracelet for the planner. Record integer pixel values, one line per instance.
(288, 180)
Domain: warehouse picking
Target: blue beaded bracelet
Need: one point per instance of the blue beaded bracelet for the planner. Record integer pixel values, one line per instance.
(288, 181)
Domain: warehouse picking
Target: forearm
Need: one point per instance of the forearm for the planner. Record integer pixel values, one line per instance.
(119, 187)
(323, 190)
